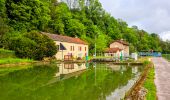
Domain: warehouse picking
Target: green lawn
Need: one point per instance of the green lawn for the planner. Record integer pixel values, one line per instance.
(14, 60)
(7, 54)
(98, 57)
(8, 57)
(166, 56)
(150, 85)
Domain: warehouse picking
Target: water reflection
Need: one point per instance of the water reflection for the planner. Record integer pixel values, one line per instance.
(69, 82)
(68, 68)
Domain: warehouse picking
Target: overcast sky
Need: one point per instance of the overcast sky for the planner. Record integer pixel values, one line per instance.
(150, 15)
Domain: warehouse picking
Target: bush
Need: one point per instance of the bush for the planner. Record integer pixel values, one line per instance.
(45, 46)
(31, 45)
(23, 47)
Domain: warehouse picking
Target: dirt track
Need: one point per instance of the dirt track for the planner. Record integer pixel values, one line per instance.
(162, 75)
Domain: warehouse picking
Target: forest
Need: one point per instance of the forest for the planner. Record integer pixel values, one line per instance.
(85, 19)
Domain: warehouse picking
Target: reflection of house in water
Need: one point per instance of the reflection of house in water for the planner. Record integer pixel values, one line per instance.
(117, 67)
(68, 69)
(134, 70)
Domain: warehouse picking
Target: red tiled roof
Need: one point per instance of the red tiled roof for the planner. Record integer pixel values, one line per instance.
(62, 38)
(122, 42)
(112, 50)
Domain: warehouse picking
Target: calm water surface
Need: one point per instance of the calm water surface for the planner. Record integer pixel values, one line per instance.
(67, 82)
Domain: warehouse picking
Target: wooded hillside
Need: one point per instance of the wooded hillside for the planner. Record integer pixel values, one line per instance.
(85, 19)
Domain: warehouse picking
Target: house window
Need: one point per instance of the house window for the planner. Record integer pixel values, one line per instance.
(85, 48)
(70, 48)
(79, 48)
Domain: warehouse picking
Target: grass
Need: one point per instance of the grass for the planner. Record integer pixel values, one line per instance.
(7, 54)
(150, 85)
(14, 60)
(166, 56)
(98, 57)
(8, 57)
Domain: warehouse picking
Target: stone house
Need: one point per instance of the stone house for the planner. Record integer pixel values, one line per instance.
(117, 47)
(69, 47)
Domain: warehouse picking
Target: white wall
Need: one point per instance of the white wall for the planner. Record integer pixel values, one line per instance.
(76, 52)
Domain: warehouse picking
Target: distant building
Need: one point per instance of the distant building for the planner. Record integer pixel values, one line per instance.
(69, 47)
(117, 47)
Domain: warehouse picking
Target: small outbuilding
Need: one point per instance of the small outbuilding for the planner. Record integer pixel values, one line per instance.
(118, 48)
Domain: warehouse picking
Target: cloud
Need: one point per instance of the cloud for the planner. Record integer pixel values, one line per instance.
(165, 35)
(150, 15)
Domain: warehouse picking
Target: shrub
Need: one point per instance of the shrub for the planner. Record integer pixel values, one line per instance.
(31, 45)
(23, 47)
(45, 46)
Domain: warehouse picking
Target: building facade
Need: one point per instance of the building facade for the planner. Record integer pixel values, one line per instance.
(118, 48)
(69, 47)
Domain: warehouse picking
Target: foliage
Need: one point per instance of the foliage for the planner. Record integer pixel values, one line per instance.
(3, 29)
(166, 47)
(74, 28)
(101, 42)
(27, 15)
(45, 46)
(31, 45)
(150, 85)
(166, 56)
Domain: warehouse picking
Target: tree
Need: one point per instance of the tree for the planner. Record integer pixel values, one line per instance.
(101, 42)
(27, 15)
(31, 45)
(74, 28)
(2, 8)
(60, 14)
(45, 46)
(4, 28)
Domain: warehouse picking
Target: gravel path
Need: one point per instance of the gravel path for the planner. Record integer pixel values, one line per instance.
(162, 75)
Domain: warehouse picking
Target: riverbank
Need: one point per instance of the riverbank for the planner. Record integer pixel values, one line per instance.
(7, 57)
(14, 61)
(150, 85)
(144, 87)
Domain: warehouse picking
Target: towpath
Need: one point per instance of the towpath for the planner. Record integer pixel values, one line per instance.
(162, 78)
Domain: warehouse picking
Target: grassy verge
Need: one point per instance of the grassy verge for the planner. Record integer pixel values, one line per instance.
(150, 85)
(7, 53)
(166, 56)
(14, 60)
(98, 57)
(146, 80)
(8, 57)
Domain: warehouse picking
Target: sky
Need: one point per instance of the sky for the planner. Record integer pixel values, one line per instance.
(152, 16)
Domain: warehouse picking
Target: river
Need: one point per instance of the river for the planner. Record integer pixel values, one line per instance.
(82, 81)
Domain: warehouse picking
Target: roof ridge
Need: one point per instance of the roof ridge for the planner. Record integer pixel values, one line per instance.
(64, 38)
(121, 41)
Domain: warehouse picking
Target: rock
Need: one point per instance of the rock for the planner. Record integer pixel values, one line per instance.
(142, 93)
